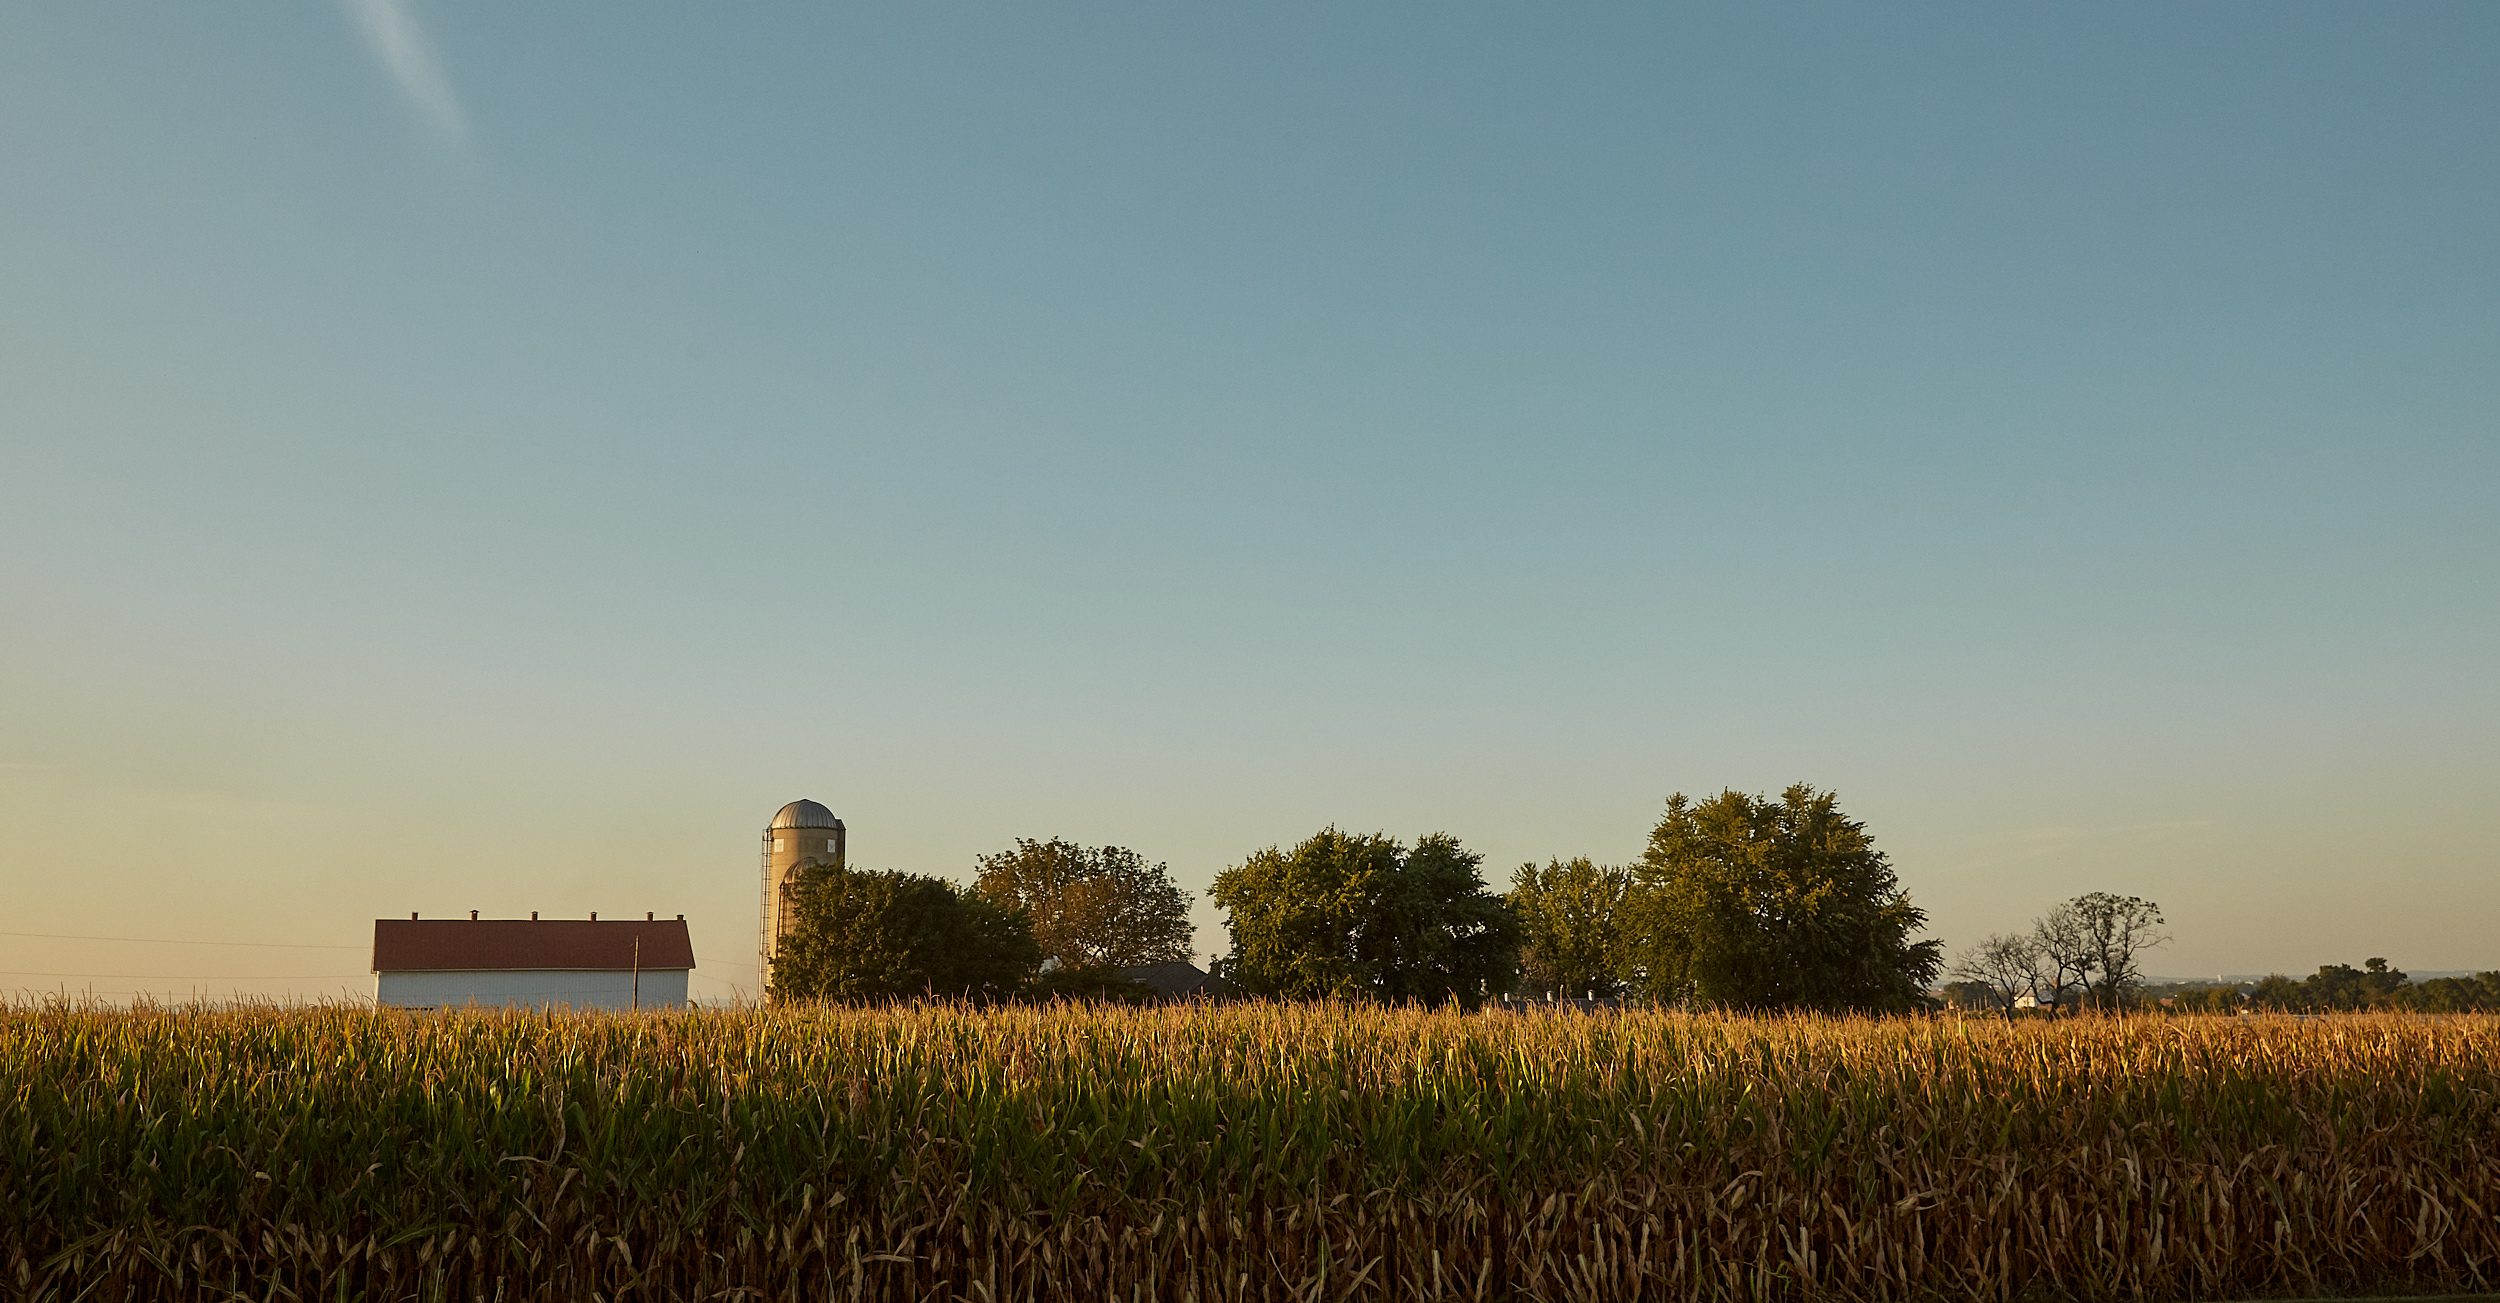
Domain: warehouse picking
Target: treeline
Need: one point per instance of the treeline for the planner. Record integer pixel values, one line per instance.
(1047, 920)
(2086, 954)
(1739, 902)
(2342, 988)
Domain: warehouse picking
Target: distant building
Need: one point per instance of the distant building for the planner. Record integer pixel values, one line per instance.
(525, 963)
(801, 834)
(1179, 980)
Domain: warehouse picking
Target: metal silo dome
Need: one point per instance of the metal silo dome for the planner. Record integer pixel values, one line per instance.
(805, 814)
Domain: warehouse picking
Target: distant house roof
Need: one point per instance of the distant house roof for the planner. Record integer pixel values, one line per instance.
(1179, 980)
(404, 945)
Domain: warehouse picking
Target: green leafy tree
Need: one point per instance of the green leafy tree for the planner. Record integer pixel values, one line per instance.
(1753, 903)
(867, 936)
(2477, 994)
(2279, 993)
(2344, 987)
(2334, 987)
(2381, 985)
(2207, 999)
(999, 956)
(1357, 916)
(1571, 929)
(2222, 999)
(1297, 916)
(1096, 985)
(1971, 997)
(1435, 933)
(1092, 906)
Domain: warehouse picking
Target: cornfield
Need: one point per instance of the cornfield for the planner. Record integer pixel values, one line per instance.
(1238, 1152)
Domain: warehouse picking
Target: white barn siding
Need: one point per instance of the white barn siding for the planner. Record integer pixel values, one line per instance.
(580, 988)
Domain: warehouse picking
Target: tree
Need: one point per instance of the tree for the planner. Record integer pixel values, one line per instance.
(2344, 987)
(2210, 999)
(1977, 997)
(1092, 906)
(1436, 934)
(1353, 916)
(2477, 994)
(2380, 984)
(1752, 903)
(1571, 931)
(1101, 984)
(2065, 951)
(2008, 967)
(1296, 916)
(997, 956)
(2333, 986)
(862, 935)
(2278, 992)
(2114, 929)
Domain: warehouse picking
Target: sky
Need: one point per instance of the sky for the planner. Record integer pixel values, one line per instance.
(474, 456)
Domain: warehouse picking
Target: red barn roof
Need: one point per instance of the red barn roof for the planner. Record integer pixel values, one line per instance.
(403, 945)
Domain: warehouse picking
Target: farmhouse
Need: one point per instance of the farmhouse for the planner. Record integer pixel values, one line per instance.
(1179, 980)
(525, 963)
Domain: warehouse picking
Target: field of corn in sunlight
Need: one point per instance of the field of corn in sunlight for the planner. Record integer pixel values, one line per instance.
(1238, 1152)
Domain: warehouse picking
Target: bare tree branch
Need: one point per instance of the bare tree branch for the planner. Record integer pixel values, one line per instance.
(2010, 966)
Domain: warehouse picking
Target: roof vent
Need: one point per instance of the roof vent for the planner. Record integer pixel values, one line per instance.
(473, 916)
(533, 916)
(412, 916)
(594, 916)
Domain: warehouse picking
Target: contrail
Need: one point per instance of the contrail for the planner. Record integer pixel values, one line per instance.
(401, 46)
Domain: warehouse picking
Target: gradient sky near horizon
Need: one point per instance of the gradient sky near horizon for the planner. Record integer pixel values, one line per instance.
(467, 456)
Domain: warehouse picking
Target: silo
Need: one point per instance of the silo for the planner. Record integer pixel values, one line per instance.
(803, 833)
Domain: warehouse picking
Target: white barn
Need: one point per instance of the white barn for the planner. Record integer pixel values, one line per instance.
(525, 963)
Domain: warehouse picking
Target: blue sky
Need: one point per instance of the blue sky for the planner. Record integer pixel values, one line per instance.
(458, 456)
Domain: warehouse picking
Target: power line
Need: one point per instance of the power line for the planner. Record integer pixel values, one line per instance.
(170, 941)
